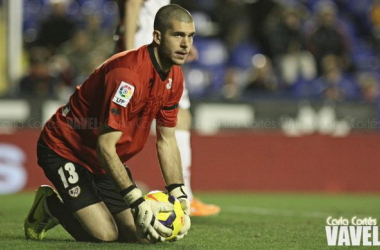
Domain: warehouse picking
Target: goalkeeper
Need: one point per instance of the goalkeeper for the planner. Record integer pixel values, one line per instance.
(106, 122)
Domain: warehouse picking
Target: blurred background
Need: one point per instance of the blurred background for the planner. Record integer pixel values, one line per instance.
(285, 94)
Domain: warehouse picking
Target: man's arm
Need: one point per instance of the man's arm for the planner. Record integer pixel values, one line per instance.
(132, 13)
(110, 161)
(168, 155)
(144, 212)
(170, 163)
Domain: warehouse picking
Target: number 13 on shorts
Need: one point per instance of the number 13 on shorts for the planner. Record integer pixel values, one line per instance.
(73, 176)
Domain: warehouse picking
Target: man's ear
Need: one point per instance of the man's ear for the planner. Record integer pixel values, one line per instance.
(157, 37)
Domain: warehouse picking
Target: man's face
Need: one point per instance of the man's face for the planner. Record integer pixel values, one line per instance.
(176, 43)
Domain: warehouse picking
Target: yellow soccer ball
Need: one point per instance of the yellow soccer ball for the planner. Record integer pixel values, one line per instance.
(173, 220)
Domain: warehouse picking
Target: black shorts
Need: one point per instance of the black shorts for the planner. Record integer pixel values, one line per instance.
(76, 185)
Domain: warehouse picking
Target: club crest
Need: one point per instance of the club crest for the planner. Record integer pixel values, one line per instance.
(169, 84)
(75, 191)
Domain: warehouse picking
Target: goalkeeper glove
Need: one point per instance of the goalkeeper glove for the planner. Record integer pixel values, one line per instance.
(177, 190)
(144, 214)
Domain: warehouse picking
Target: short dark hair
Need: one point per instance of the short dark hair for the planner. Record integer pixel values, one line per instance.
(166, 14)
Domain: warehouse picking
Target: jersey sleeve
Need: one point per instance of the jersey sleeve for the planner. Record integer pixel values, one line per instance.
(167, 116)
(121, 92)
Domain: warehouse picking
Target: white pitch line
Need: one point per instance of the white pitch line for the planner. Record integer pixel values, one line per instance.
(274, 212)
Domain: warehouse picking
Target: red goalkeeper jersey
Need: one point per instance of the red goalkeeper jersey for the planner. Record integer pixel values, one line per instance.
(126, 93)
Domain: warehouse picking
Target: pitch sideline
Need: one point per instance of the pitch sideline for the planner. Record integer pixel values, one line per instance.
(274, 212)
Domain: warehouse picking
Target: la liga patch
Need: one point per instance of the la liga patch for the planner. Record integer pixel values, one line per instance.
(123, 94)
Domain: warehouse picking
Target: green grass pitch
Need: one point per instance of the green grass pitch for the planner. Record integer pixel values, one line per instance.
(247, 221)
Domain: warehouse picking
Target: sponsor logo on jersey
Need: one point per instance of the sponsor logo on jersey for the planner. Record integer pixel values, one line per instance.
(74, 192)
(123, 94)
(169, 84)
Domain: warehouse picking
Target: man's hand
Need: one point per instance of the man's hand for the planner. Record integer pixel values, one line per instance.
(145, 215)
(177, 190)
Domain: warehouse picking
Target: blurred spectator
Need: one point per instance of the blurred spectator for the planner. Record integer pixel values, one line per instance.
(88, 48)
(327, 37)
(261, 12)
(191, 6)
(261, 76)
(287, 45)
(375, 20)
(233, 23)
(77, 50)
(334, 84)
(100, 37)
(39, 82)
(232, 19)
(274, 31)
(60, 67)
(230, 89)
(369, 87)
(83, 54)
(56, 28)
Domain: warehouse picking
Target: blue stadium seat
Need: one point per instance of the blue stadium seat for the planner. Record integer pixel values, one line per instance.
(212, 53)
(241, 55)
(365, 58)
(210, 66)
(359, 7)
(301, 88)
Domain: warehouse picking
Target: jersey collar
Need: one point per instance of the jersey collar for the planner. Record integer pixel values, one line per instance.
(162, 75)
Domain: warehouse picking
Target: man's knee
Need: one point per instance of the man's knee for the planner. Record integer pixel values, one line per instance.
(103, 228)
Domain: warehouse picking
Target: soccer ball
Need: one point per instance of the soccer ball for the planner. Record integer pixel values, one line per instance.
(173, 220)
